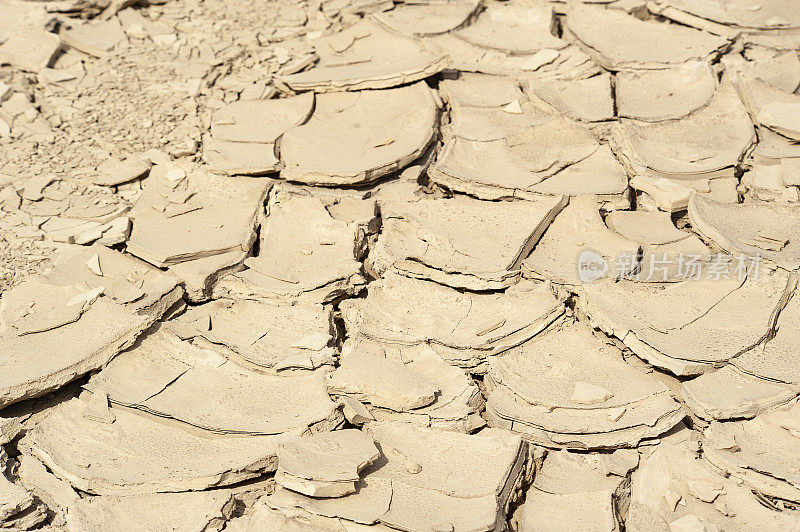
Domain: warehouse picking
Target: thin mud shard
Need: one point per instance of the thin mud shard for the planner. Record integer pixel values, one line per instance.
(464, 328)
(426, 239)
(721, 318)
(697, 148)
(777, 68)
(427, 18)
(588, 100)
(261, 516)
(477, 90)
(71, 212)
(114, 171)
(730, 394)
(304, 254)
(169, 378)
(96, 38)
(53, 334)
(240, 158)
(775, 111)
(30, 49)
(548, 391)
(513, 40)
(198, 224)
(513, 29)
(667, 94)
(325, 464)
(381, 381)
(19, 14)
(576, 232)
(674, 487)
(260, 121)
(185, 216)
(159, 456)
(774, 359)
(204, 510)
(763, 229)
(495, 149)
(357, 137)
(771, 180)
(572, 489)
(426, 480)
(18, 507)
(266, 335)
(124, 278)
(731, 18)
(244, 134)
(764, 102)
(412, 384)
(366, 56)
(734, 448)
(619, 41)
(664, 247)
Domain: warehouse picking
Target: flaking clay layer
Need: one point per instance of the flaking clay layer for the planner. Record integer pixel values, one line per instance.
(399, 265)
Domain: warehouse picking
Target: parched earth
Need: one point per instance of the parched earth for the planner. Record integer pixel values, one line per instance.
(423, 265)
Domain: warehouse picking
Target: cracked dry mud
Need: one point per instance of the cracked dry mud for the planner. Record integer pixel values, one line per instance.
(416, 265)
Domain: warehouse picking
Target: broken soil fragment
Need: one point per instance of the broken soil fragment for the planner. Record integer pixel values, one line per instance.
(673, 485)
(588, 100)
(325, 464)
(127, 280)
(305, 253)
(734, 16)
(30, 49)
(413, 384)
(244, 134)
(361, 265)
(116, 172)
(619, 41)
(181, 217)
(204, 510)
(665, 248)
(464, 328)
(191, 462)
(574, 404)
(53, 334)
(196, 386)
(698, 149)
(721, 318)
(366, 56)
(512, 29)
(426, 239)
(572, 489)
(728, 394)
(427, 19)
(499, 148)
(655, 95)
(759, 228)
(426, 480)
(269, 334)
(358, 137)
(559, 256)
(733, 448)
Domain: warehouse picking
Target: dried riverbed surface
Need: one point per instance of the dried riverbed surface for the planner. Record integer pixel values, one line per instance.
(421, 265)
